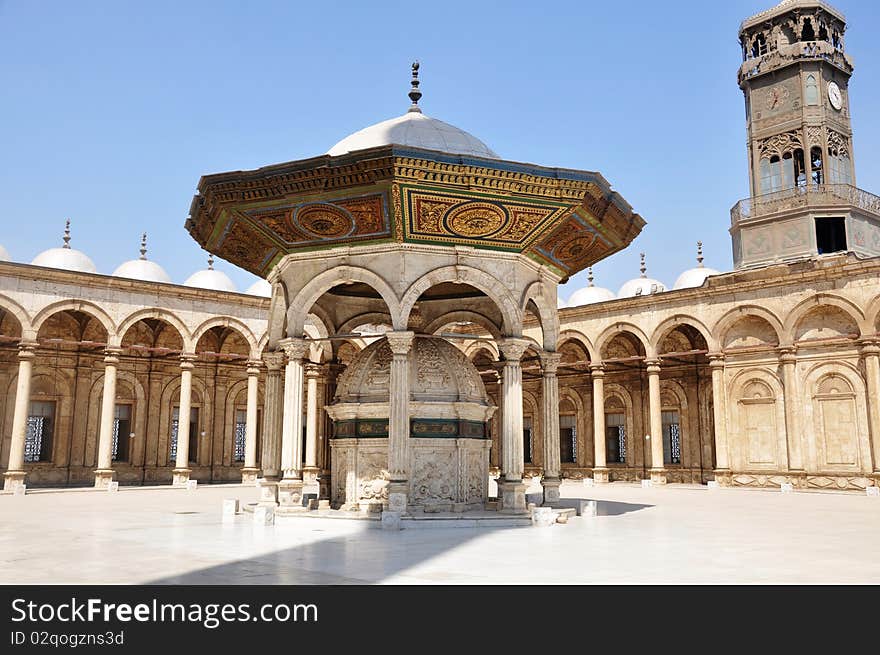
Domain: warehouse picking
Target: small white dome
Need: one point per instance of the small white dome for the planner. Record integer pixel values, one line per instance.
(260, 288)
(142, 269)
(416, 130)
(640, 286)
(589, 295)
(4, 255)
(66, 258)
(694, 277)
(208, 278)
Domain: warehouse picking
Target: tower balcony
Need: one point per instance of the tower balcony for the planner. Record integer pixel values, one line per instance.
(813, 196)
(794, 52)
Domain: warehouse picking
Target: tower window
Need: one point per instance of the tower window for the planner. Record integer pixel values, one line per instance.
(816, 165)
(808, 34)
(811, 96)
(830, 235)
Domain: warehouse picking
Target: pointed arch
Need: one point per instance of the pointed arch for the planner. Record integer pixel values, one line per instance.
(463, 315)
(21, 315)
(546, 312)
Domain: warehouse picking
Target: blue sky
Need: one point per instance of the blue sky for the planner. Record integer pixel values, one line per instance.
(113, 110)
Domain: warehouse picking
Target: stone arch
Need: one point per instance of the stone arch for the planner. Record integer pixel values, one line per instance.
(803, 311)
(300, 305)
(472, 350)
(18, 312)
(544, 310)
(463, 315)
(873, 315)
(162, 314)
(757, 439)
(624, 328)
(232, 324)
(494, 289)
(581, 339)
(679, 320)
(82, 306)
(745, 321)
(836, 418)
(376, 318)
(277, 323)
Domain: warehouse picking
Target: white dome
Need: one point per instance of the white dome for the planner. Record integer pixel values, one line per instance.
(66, 258)
(589, 295)
(416, 130)
(694, 277)
(260, 288)
(640, 286)
(4, 255)
(142, 269)
(210, 279)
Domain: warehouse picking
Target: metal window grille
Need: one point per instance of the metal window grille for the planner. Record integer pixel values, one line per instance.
(33, 440)
(239, 441)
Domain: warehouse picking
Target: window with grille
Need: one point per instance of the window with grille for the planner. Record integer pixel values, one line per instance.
(40, 427)
(567, 438)
(671, 437)
(240, 431)
(193, 434)
(615, 438)
(527, 439)
(121, 432)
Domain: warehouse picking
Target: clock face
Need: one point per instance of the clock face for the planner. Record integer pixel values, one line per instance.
(776, 97)
(834, 96)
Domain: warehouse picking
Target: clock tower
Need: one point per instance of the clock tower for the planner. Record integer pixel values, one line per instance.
(804, 203)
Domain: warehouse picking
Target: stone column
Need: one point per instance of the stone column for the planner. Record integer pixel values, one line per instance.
(788, 360)
(511, 487)
(658, 473)
(250, 470)
(331, 373)
(290, 489)
(719, 419)
(104, 473)
(398, 420)
(600, 465)
(272, 420)
(871, 353)
(550, 403)
(180, 474)
(15, 473)
(311, 470)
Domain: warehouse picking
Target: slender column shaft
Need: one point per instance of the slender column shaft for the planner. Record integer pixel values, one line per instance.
(719, 412)
(792, 424)
(550, 397)
(398, 408)
(312, 372)
(250, 433)
(512, 414)
(291, 432)
(272, 416)
(185, 405)
(20, 414)
(656, 418)
(871, 353)
(599, 456)
(108, 411)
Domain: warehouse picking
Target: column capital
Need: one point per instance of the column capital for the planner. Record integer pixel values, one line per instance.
(597, 370)
(787, 354)
(111, 355)
(869, 346)
(294, 348)
(253, 367)
(187, 361)
(313, 370)
(550, 362)
(27, 349)
(274, 360)
(400, 341)
(513, 348)
(716, 358)
(653, 365)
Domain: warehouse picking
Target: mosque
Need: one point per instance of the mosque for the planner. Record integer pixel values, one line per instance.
(407, 344)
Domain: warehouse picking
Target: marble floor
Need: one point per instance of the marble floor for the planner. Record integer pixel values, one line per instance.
(672, 535)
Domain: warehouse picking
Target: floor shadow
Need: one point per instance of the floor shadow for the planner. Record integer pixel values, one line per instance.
(616, 508)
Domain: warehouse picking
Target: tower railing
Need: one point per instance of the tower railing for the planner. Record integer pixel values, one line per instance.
(811, 195)
(787, 54)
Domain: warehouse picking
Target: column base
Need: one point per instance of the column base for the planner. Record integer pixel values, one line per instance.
(551, 490)
(723, 477)
(324, 485)
(268, 493)
(103, 478)
(658, 476)
(249, 475)
(397, 495)
(13, 480)
(513, 496)
(290, 493)
(310, 481)
(179, 477)
(601, 475)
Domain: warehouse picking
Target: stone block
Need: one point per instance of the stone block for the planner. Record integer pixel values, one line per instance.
(786, 487)
(459, 507)
(230, 507)
(588, 482)
(264, 515)
(543, 517)
(113, 486)
(647, 483)
(390, 520)
(324, 503)
(313, 504)
(19, 490)
(872, 491)
(192, 485)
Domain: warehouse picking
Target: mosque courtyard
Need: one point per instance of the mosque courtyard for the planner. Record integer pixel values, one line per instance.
(672, 535)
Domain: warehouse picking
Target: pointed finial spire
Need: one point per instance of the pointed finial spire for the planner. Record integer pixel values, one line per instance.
(144, 245)
(67, 235)
(643, 268)
(211, 262)
(414, 93)
(590, 275)
(700, 254)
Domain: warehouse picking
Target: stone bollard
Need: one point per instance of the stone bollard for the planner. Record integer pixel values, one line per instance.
(589, 508)
(313, 504)
(264, 515)
(20, 490)
(588, 482)
(543, 517)
(391, 520)
(230, 507)
(872, 491)
(647, 483)
(112, 486)
(191, 485)
(786, 488)
(324, 504)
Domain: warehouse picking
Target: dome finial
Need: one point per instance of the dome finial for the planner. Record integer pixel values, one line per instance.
(643, 268)
(700, 254)
(414, 93)
(590, 275)
(144, 245)
(211, 262)
(67, 235)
